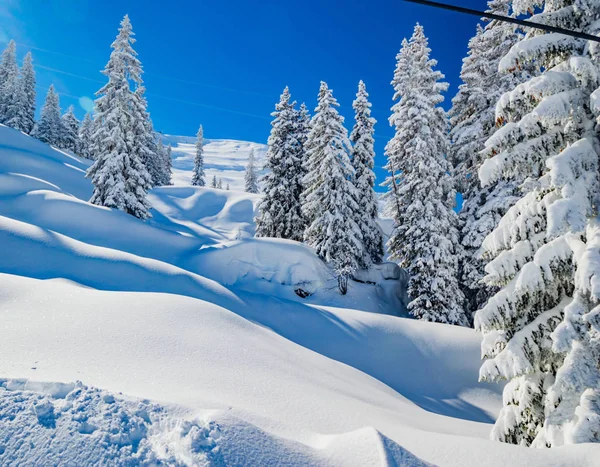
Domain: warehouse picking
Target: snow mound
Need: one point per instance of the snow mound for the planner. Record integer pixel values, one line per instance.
(221, 361)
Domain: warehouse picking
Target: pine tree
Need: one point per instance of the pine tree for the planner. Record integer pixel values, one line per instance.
(363, 161)
(85, 137)
(198, 179)
(168, 165)
(220, 184)
(472, 123)
(539, 328)
(9, 80)
(28, 83)
(250, 177)
(70, 131)
(214, 183)
(425, 237)
(330, 196)
(280, 211)
(15, 105)
(147, 145)
(49, 127)
(227, 187)
(119, 176)
(155, 163)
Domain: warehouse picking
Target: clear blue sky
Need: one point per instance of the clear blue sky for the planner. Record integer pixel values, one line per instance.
(224, 63)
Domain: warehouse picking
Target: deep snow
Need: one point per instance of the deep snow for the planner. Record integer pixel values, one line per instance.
(219, 362)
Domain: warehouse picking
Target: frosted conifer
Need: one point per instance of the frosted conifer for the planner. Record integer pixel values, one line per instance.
(198, 178)
(421, 193)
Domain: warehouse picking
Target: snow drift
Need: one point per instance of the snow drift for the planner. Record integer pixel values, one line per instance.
(182, 341)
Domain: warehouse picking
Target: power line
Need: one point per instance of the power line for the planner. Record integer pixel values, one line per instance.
(508, 19)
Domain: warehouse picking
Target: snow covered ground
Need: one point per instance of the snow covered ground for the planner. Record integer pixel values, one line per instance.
(222, 157)
(181, 340)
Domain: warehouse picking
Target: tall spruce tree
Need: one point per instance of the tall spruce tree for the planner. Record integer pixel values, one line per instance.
(425, 237)
(541, 329)
(329, 197)
(168, 162)
(363, 161)
(49, 128)
(28, 85)
(199, 178)
(9, 81)
(280, 211)
(472, 122)
(85, 137)
(214, 182)
(118, 174)
(220, 184)
(250, 177)
(70, 131)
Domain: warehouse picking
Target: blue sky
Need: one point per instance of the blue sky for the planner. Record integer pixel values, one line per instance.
(224, 63)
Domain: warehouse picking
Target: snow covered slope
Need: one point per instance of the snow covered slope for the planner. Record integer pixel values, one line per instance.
(224, 158)
(193, 349)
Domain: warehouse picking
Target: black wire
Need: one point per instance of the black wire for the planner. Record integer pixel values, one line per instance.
(507, 19)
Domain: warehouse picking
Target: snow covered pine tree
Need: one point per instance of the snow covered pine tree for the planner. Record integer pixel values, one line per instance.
(85, 137)
(329, 198)
(214, 182)
(9, 82)
(70, 131)
(198, 179)
(119, 176)
(280, 211)
(28, 85)
(49, 129)
(421, 193)
(363, 161)
(250, 177)
(472, 122)
(541, 329)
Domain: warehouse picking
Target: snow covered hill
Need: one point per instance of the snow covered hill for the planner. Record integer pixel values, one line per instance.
(223, 158)
(181, 340)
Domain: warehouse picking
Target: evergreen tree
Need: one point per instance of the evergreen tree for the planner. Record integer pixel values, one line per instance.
(540, 328)
(280, 211)
(28, 83)
(250, 178)
(227, 187)
(49, 127)
(147, 145)
(198, 179)
(15, 105)
(70, 131)
(214, 183)
(472, 123)
(155, 163)
(425, 237)
(220, 184)
(168, 165)
(85, 137)
(9, 80)
(330, 196)
(119, 175)
(363, 161)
